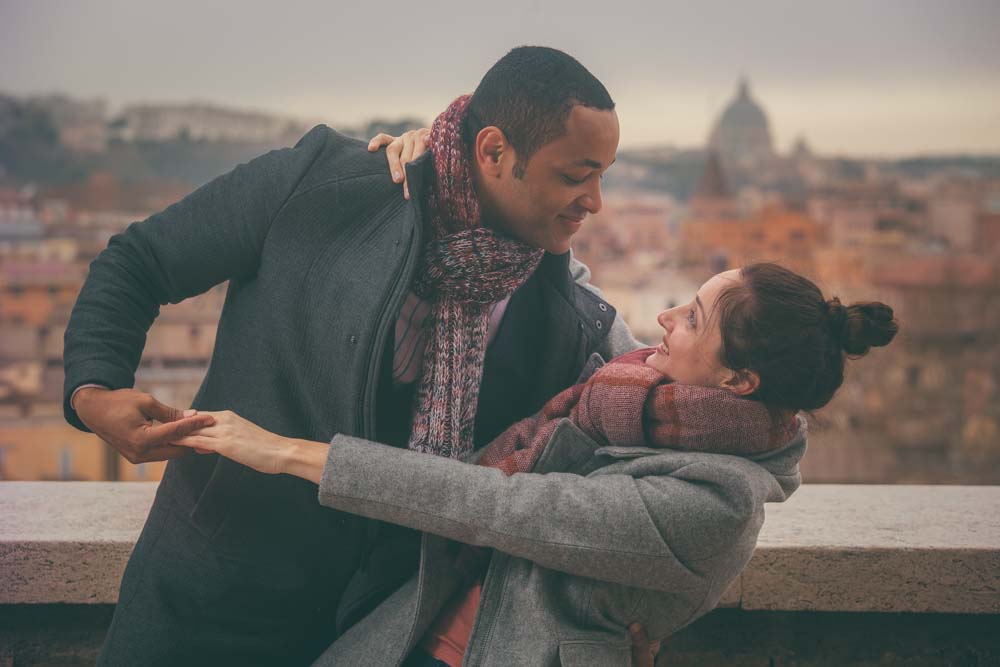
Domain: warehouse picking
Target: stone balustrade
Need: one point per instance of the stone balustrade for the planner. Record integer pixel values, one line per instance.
(867, 550)
(829, 548)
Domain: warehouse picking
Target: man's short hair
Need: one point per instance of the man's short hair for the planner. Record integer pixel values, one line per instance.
(529, 94)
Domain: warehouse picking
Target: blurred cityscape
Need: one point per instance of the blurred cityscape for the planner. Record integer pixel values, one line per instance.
(922, 234)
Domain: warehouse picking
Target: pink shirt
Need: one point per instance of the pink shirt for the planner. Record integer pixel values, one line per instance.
(447, 639)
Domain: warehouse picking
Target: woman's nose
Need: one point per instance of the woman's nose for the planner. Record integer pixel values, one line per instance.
(665, 320)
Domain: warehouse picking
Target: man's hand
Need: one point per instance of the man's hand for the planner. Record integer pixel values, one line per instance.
(126, 419)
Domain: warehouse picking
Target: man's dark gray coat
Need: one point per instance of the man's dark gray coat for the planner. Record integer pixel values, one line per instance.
(319, 249)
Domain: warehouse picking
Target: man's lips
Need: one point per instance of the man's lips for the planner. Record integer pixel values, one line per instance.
(570, 224)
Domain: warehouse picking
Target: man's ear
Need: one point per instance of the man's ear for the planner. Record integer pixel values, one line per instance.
(742, 383)
(491, 146)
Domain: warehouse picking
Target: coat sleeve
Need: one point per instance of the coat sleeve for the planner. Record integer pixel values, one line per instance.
(619, 339)
(214, 234)
(678, 532)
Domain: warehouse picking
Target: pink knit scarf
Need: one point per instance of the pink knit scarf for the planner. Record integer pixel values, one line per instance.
(464, 268)
(630, 404)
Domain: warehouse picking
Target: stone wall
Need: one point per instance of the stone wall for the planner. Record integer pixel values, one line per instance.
(866, 575)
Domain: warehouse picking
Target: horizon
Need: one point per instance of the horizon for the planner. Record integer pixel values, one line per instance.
(116, 108)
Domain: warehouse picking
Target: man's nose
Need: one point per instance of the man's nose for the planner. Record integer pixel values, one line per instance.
(592, 200)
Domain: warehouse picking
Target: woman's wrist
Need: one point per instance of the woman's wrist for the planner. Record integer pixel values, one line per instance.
(305, 459)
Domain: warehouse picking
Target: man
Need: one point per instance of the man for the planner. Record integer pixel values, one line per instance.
(335, 287)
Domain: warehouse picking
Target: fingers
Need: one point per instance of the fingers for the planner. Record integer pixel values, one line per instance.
(392, 155)
(643, 652)
(414, 145)
(203, 444)
(160, 412)
(420, 143)
(163, 413)
(175, 430)
(379, 140)
(406, 155)
(638, 633)
(393, 147)
(401, 150)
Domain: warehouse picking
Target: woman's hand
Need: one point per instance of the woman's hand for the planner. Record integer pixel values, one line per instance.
(243, 441)
(400, 150)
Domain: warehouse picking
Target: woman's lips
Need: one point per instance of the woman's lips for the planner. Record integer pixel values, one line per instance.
(663, 348)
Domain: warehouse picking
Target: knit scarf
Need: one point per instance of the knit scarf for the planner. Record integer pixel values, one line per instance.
(629, 404)
(463, 269)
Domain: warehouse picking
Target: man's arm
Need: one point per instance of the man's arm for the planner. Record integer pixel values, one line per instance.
(214, 234)
(619, 339)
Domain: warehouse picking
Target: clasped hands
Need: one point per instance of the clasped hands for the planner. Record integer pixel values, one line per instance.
(241, 440)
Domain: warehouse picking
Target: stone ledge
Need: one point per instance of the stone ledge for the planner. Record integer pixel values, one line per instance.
(829, 548)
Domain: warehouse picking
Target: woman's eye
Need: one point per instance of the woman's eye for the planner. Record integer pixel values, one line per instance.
(692, 318)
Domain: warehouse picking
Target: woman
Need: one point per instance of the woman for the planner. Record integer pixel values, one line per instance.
(639, 534)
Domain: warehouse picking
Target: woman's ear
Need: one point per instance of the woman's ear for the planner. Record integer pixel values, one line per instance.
(491, 144)
(742, 383)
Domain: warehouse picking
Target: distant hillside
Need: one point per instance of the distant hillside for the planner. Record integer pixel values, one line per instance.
(191, 144)
(188, 144)
(182, 160)
(30, 150)
(982, 166)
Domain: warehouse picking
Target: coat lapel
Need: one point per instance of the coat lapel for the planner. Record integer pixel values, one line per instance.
(537, 352)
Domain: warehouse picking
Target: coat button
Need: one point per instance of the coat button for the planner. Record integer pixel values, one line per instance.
(602, 307)
(353, 339)
(599, 324)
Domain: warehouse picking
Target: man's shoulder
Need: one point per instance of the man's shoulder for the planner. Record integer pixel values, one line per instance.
(588, 300)
(594, 313)
(339, 159)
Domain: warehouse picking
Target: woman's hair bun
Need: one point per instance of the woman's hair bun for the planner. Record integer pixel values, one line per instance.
(836, 318)
(861, 326)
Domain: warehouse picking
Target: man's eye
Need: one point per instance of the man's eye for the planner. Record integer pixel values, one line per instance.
(571, 180)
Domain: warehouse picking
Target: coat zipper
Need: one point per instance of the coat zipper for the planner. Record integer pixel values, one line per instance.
(366, 413)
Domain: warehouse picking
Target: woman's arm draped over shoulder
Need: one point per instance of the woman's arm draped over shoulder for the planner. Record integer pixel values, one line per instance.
(214, 234)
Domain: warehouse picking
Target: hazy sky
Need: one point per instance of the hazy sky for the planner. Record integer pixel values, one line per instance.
(879, 77)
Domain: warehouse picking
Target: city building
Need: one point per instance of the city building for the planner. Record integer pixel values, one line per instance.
(742, 133)
(203, 122)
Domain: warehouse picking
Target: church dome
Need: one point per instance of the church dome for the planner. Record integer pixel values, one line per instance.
(743, 110)
(742, 135)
